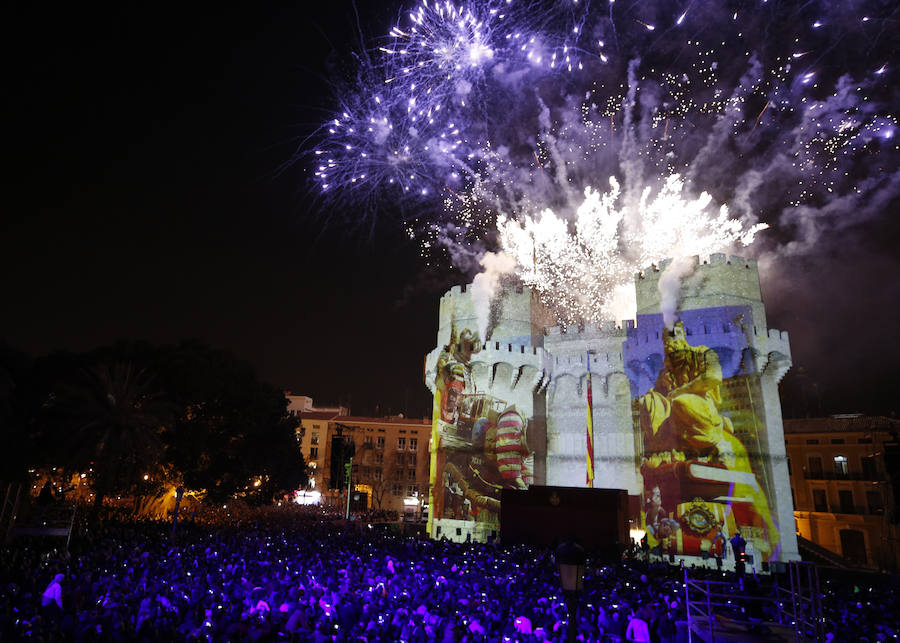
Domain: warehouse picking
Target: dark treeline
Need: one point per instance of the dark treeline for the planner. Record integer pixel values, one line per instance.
(181, 414)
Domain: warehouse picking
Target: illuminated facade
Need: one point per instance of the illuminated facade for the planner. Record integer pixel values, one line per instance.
(844, 497)
(312, 434)
(390, 465)
(687, 419)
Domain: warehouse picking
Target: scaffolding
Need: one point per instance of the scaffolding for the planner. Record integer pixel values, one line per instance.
(717, 611)
(17, 518)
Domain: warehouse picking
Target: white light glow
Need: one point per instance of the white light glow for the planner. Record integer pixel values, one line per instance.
(584, 270)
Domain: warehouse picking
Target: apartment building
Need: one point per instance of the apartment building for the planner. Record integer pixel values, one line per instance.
(843, 473)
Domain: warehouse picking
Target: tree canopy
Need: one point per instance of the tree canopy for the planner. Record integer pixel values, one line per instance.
(187, 413)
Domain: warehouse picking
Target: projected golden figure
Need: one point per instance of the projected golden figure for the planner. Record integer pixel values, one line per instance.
(692, 454)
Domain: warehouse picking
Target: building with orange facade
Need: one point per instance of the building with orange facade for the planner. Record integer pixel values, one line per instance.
(841, 470)
(390, 462)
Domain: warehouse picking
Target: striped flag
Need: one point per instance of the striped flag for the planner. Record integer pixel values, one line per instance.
(590, 427)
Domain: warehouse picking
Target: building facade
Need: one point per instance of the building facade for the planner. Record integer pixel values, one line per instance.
(841, 480)
(390, 465)
(682, 412)
(312, 434)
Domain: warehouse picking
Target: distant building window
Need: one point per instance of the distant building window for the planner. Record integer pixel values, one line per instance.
(317, 426)
(401, 443)
(815, 466)
(837, 440)
(873, 499)
(820, 502)
(379, 458)
(840, 465)
(314, 453)
(812, 441)
(314, 438)
(412, 490)
(869, 470)
(400, 459)
(411, 459)
(845, 498)
(411, 474)
(413, 444)
(396, 489)
(379, 444)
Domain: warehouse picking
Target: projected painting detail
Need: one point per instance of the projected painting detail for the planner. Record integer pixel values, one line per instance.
(481, 439)
(697, 410)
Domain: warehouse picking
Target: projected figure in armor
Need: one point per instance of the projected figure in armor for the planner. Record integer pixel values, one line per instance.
(482, 439)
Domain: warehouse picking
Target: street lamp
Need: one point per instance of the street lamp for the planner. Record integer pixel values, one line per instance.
(179, 494)
(570, 560)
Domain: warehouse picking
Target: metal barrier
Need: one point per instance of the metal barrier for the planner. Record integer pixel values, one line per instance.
(796, 608)
(806, 601)
(53, 521)
(11, 498)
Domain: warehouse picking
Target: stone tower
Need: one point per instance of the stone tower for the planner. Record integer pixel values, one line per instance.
(686, 419)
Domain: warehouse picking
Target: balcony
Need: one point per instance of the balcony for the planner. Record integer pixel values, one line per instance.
(855, 510)
(834, 475)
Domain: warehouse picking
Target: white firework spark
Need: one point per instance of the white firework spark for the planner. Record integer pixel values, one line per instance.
(584, 270)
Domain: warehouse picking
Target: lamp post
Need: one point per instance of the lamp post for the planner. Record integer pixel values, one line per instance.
(179, 493)
(348, 471)
(570, 560)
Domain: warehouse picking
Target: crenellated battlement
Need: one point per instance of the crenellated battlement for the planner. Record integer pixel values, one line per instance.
(714, 281)
(511, 318)
(715, 259)
(597, 358)
(500, 347)
(461, 290)
(607, 328)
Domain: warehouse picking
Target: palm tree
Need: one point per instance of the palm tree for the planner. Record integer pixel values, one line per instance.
(117, 424)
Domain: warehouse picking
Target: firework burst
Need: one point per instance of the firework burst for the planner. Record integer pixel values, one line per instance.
(491, 113)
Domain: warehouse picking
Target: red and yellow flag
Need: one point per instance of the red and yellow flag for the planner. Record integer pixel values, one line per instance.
(590, 427)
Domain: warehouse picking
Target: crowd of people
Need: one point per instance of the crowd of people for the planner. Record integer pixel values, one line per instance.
(299, 575)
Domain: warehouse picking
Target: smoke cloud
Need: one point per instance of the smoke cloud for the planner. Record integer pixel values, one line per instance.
(486, 285)
(670, 288)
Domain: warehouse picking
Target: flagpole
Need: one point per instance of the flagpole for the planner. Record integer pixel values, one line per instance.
(590, 427)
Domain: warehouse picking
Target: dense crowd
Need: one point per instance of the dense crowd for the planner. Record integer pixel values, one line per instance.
(298, 576)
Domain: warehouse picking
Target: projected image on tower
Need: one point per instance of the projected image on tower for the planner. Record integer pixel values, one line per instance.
(696, 402)
(480, 435)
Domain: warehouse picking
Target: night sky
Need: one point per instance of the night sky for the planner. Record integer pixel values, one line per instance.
(146, 197)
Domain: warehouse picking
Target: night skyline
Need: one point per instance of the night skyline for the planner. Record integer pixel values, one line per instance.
(147, 199)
